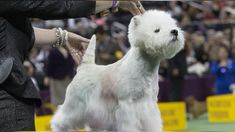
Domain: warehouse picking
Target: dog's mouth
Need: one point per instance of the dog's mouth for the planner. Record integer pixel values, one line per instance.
(175, 38)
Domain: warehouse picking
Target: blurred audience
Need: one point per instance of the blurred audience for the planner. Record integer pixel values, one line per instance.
(30, 70)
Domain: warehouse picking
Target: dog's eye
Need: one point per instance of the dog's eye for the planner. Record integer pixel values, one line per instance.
(157, 30)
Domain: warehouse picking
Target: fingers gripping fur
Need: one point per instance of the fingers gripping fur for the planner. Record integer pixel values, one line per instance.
(89, 56)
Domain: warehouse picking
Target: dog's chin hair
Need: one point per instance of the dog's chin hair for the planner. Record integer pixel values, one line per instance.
(163, 52)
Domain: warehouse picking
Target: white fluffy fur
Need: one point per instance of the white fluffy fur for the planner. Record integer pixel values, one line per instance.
(122, 96)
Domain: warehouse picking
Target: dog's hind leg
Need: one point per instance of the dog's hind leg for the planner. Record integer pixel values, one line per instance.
(68, 117)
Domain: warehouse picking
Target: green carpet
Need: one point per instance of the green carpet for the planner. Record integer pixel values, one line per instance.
(202, 125)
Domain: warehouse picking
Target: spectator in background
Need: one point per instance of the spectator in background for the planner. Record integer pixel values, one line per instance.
(42, 57)
(177, 70)
(110, 48)
(197, 57)
(224, 70)
(105, 47)
(233, 51)
(163, 70)
(38, 59)
(122, 43)
(60, 70)
(30, 70)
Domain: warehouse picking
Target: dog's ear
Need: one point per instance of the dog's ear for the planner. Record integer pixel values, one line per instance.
(136, 20)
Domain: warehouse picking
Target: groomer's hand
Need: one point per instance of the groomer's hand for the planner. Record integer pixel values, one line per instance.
(133, 6)
(76, 45)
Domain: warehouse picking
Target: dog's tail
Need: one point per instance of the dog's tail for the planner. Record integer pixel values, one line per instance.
(89, 56)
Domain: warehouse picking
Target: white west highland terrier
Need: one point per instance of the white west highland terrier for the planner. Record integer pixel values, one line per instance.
(122, 96)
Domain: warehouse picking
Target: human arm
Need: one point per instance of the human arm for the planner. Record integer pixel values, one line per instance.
(47, 9)
(76, 44)
(58, 9)
(133, 6)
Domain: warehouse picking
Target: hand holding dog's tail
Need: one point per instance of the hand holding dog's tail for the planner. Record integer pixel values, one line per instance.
(89, 56)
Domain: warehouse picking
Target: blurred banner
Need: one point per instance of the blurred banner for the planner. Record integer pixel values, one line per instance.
(221, 108)
(173, 116)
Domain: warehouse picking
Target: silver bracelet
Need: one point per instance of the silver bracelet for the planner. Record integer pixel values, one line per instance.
(61, 37)
(66, 37)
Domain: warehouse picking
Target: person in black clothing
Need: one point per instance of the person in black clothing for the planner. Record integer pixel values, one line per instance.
(177, 71)
(60, 70)
(18, 95)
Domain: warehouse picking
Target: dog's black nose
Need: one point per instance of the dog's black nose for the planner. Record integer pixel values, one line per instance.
(174, 32)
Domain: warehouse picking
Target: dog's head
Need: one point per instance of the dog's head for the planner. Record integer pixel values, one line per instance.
(156, 33)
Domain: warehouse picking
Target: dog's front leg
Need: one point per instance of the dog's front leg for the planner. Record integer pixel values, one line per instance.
(151, 118)
(126, 119)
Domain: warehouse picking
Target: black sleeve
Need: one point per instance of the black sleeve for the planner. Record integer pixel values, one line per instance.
(47, 9)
